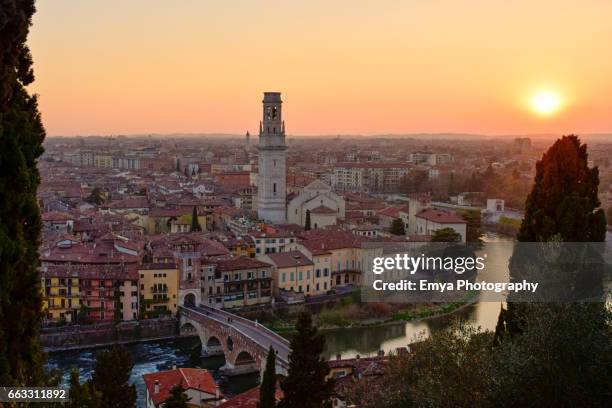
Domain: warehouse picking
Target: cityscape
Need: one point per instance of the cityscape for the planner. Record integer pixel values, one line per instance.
(143, 265)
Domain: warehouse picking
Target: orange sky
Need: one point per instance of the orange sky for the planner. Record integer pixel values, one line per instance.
(343, 66)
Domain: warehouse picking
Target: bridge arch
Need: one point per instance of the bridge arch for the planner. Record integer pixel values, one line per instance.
(243, 343)
(213, 341)
(244, 357)
(187, 329)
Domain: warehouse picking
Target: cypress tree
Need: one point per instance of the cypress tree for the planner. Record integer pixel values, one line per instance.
(563, 205)
(195, 223)
(306, 385)
(397, 227)
(177, 398)
(111, 377)
(473, 227)
(307, 222)
(267, 390)
(21, 136)
(83, 395)
(564, 199)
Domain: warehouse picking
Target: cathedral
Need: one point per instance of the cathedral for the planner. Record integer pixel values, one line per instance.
(324, 205)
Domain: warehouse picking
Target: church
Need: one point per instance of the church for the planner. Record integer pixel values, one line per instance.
(325, 206)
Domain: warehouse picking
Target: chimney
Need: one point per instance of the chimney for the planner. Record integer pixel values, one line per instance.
(174, 365)
(338, 357)
(216, 392)
(156, 389)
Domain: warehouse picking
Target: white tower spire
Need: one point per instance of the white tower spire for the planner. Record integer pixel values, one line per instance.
(272, 178)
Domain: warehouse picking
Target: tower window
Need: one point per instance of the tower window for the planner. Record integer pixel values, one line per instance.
(274, 188)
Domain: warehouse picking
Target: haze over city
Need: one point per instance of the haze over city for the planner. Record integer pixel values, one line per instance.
(140, 67)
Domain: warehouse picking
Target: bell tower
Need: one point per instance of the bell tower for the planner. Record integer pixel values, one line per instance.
(272, 177)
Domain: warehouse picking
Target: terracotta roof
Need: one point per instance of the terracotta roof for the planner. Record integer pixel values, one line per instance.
(441, 217)
(56, 216)
(291, 258)
(328, 239)
(248, 399)
(193, 378)
(393, 211)
(242, 262)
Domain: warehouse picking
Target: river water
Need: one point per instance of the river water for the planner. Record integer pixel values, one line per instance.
(160, 355)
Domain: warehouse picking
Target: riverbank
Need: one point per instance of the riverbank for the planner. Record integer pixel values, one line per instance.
(339, 316)
(77, 337)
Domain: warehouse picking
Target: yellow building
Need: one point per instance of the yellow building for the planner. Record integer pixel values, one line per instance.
(241, 246)
(159, 285)
(60, 296)
(296, 272)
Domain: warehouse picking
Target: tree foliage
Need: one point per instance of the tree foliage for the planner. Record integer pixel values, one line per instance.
(397, 227)
(307, 222)
(267, 390)
(306, 385)
(564, 199)
(111, 377)
(177, 398)
(195, 223)
(96, 196)
(473, 227)
(83, 395)
(446, 235)
(21, 136)
(450, 368)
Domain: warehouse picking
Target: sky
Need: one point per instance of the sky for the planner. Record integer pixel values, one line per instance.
(343, 66)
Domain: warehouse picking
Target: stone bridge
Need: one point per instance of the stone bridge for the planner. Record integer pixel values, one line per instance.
(244, 343)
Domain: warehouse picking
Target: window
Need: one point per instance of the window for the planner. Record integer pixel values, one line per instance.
(318, 273)
(291, 276)
(274, 188)
(300, 276)
(284, 277)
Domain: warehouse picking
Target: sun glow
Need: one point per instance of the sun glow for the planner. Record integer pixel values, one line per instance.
(546, 103)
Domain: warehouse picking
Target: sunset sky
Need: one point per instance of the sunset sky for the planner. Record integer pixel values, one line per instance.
(349, 66)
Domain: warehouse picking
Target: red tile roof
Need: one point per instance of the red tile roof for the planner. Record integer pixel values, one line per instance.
(194, 378)
(240, 263)
(291, 258)
(440, 217)
(248, 399)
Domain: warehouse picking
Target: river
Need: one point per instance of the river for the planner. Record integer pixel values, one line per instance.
(159, 355)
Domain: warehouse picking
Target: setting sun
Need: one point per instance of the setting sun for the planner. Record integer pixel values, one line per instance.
(546, 103)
